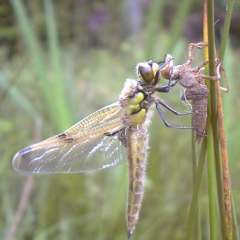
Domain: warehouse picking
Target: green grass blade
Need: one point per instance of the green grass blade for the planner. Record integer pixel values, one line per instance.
(56, 107)
(235, 223)
(34, 49)
(196, 190)
(152, 28)
(226, 29)
(179, 21)
(214, 169)
(211, 186)
(19, 98)
(197, 219)
(58, 76)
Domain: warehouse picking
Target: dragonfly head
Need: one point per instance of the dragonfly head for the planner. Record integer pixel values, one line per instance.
(147, 71)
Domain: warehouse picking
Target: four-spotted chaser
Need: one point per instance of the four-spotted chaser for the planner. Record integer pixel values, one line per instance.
(108, 137)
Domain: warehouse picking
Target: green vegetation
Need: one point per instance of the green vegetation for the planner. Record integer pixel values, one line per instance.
(65, 59)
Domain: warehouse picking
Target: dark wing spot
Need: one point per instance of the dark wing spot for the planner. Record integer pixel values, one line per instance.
(109, 134)
(24, 152)
(62, 135)
(121, 136)
(113, 133)
(68, 140)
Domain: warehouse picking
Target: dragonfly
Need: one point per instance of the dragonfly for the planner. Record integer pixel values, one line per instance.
(108, 137)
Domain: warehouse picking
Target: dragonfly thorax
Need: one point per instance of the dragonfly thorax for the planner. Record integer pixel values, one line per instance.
(135, 103)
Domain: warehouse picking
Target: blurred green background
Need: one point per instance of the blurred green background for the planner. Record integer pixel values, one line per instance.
(62, 60)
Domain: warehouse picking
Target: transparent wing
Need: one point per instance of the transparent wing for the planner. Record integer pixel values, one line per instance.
(96, 142)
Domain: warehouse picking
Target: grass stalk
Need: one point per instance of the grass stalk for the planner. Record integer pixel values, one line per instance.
(213, 155)
(227, 183)
(58, 76)
(223, 143)
(211, 185)
(196, 190)
(179, 22)
(55, 97)
(225, 168)
(26, 192)
(18, 97)
(153, 25)
(235, 224)
(225, 31)
(197, 219)
(34, 50)
(217, 125)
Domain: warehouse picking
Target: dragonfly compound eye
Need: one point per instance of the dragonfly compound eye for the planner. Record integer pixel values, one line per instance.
(147, 71)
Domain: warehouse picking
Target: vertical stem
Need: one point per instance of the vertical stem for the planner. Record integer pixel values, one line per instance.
(197, 221)
(196, 188)
(226, 29)
(211, 180)
(212, 141)
(226, 178)
(61, 105)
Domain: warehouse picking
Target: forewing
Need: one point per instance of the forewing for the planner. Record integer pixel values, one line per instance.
(96, 142)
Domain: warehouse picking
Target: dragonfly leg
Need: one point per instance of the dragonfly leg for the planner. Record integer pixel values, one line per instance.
(168, 124)
(192, 47)
(164, 71)
(171, 109)
(158, 75)
(166, 88)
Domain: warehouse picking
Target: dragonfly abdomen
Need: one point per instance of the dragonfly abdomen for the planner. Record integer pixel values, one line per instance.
(199, 116)
(137, 157)
(198, 94)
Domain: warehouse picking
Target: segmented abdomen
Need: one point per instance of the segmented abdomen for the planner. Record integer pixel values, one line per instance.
(137, 143)
(198, 94)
